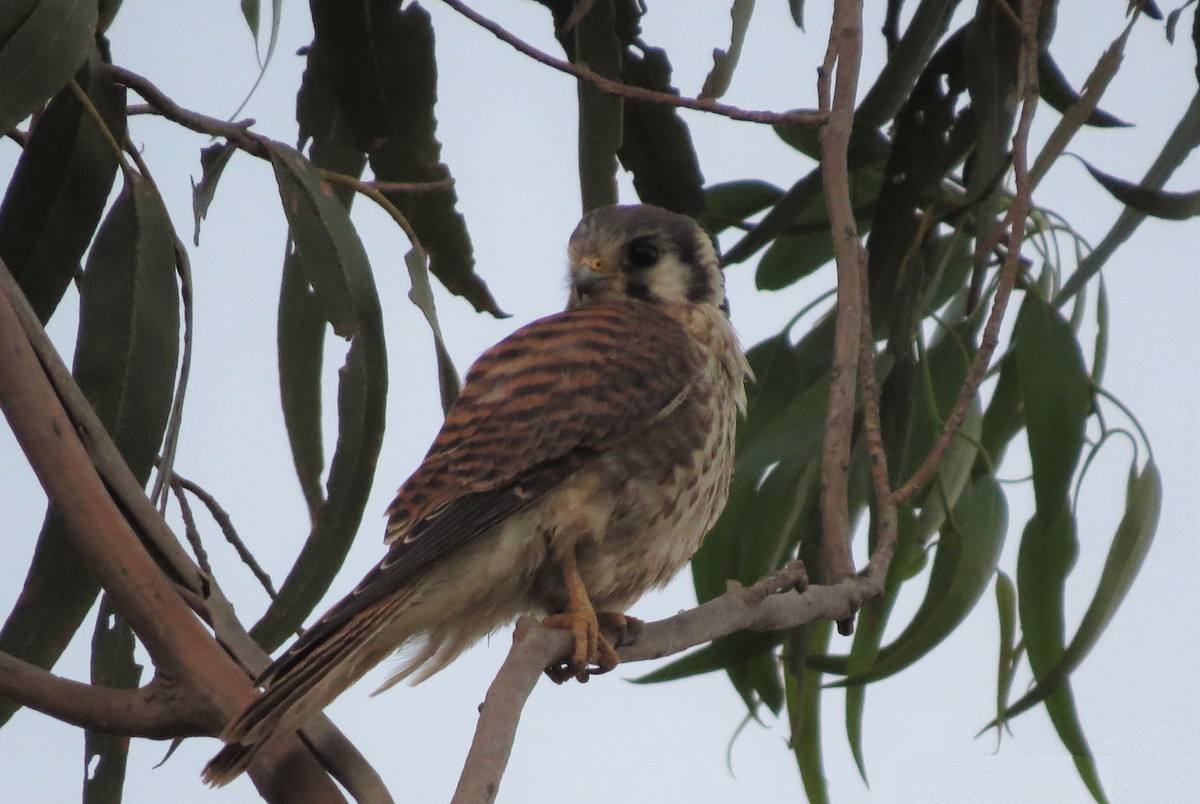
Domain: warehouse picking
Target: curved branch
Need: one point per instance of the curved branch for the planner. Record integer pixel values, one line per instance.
(160, 710)
(767, 605)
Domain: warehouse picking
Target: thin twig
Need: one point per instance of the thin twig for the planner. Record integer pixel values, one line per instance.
(886, 524)
(190, 531)
(610, 87)
(225, 523)
(843, 57)
(1015, 221)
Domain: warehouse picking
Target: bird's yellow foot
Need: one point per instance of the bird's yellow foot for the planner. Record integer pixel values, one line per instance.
(593, 653)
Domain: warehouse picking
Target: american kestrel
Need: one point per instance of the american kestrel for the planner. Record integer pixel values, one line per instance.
(585, 459)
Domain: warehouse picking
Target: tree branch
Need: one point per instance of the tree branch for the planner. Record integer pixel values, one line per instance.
(610, 87)
(160, 710)
(769, 604)
(843, 56)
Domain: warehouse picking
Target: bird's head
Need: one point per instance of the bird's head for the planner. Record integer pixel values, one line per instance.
(645, 253)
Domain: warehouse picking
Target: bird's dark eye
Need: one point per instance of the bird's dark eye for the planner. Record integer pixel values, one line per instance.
(642, 254)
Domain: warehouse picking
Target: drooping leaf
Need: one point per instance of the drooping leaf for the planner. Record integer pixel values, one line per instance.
(656, 144)
(1126, 553)
(60, 187)
(868, 634)
(335, 262)
(301, 326)
(1003, 419)
(600, 123)
(1047, 554)
(1184, 139)
(965, 563)
(1008, 654)
(1165, 204)
(113, 666)
(796, 7)
(384, 77)
(1059, 94)
(41, 47)
(803, 686)
(301, 347)
(717, 82)
(335, 266)
(1056, 395)
(794, 256)
(213, 160)
(734, 201)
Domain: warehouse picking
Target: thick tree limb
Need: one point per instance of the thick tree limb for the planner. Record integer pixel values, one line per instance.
(104, 538)
(159, 710)
(762, 607)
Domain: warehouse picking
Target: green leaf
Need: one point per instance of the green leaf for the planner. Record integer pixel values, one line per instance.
(716, 655)
(1004, 417)
(1060, 95)
(334, 260)
(301, 347)
(128, 348)
(213, 160)
(1047, 553)
(44, 47)
(732, 202)
(1135, 534)
(656, 144)
(301, 327)
(597, 47)
(1183, 140)
(796, 7)
(891, 88)
(1056, 395)
(384, 76)
(967, 554)
(809, 244)
(251, 9)
(803, 688)
(868, 634)
(60, 188)
(1009, 653)
(335, 265)
(1147, 200)
(716, 83)
(113, 667)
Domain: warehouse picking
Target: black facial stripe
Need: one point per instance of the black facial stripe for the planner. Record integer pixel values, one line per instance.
(637, 288)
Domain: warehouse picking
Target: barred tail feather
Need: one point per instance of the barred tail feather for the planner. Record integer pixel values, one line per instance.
(300, 684)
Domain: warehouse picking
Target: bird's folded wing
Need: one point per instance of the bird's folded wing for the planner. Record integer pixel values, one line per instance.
(534, 408)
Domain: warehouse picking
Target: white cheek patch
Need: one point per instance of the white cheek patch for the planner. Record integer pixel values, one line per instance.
(669, 279)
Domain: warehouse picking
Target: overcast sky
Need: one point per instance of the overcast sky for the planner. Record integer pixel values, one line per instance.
(510, 141)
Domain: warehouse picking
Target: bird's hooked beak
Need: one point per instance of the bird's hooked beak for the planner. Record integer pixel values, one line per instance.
(589, 274)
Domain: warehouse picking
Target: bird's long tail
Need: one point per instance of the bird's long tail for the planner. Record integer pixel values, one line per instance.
(302, 682)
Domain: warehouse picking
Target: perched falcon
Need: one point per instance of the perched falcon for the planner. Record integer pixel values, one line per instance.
(588, 454)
